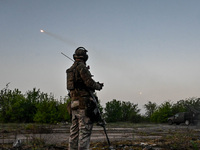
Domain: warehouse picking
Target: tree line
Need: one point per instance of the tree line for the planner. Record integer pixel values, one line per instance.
(34, 106)
(38, 107)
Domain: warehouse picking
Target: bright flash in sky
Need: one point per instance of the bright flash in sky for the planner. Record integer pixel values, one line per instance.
(41, 30)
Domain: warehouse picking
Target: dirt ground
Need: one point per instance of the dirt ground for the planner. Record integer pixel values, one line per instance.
(122, 137)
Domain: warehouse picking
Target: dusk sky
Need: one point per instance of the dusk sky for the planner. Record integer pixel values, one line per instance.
(142, 50)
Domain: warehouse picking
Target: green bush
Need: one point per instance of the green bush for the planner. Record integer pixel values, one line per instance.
(34, 106)
(116, 111)
(162, 113)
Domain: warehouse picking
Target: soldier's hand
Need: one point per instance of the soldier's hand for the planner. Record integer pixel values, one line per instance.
(99, 86)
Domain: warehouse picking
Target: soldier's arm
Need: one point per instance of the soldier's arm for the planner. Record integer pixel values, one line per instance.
(87, 78)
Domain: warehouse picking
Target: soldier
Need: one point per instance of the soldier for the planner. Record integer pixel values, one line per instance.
(79, 83)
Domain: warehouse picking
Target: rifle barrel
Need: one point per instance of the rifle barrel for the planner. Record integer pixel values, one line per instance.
(103, 121)
(104, 128)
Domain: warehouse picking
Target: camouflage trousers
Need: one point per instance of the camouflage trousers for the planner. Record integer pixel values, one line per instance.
(80, 131)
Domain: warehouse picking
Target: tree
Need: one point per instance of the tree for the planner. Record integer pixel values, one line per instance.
(122, 111)
(33, 98)
(150, 108)
(17, 108)
(113, 111)
(34, 106)
(4, 104)
(63, 114)
(134, 113)
(47, 110)
(162, 113)
(130, 112)
(180, 106)
(185, 105)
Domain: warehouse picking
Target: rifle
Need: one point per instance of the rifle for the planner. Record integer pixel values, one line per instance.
(101, 122)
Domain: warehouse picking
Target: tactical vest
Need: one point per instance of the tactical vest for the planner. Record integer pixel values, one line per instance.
(71, 77)
(74, 80)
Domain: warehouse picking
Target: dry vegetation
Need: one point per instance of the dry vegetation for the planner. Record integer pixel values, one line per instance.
(139, 137)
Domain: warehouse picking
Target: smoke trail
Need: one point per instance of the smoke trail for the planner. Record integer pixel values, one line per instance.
(58, 37)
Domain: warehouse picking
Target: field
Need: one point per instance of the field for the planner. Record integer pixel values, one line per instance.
(123, 136)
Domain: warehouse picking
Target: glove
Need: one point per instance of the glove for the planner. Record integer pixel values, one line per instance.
(99, 86)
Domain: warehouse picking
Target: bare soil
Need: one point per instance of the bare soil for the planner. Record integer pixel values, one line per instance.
(123, 136)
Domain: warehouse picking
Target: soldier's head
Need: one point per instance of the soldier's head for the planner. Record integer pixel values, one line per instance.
(80, 53)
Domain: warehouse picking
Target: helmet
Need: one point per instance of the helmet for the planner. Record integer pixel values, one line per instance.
(81, 53)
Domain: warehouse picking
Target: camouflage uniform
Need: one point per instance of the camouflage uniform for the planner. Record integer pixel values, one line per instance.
(80, 130)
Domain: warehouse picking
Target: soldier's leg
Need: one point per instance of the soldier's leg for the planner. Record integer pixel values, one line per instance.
(85, 129)
(74, 131)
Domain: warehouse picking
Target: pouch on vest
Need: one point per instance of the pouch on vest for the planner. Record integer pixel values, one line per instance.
(82, 101)
(74, 104)
(69, 109)
(70, 79)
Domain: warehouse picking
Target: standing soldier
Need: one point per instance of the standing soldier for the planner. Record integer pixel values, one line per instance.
(79, 84)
